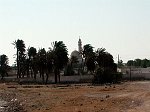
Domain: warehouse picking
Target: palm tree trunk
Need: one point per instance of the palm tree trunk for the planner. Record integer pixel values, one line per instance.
(43, 77)
(59, 77)
(56, 73)
(34, 72)
(28, 71)
(82, 66)
(31, 72)
(47, 76)
(18, 65)
(34, 75)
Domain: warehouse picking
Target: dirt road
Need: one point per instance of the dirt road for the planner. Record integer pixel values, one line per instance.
(126, 97)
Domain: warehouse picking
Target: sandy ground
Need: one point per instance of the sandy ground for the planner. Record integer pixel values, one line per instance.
(126, 97)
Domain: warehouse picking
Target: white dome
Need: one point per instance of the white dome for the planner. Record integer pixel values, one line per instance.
(76, 54)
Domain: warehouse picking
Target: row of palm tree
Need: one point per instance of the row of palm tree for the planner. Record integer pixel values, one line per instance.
(100, 58)
(42, 62)
(31, 62)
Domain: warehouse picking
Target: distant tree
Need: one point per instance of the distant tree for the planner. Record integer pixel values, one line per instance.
(87, 50)
(107, 70)
(130, 63)
(148, 63)
(32, 52)
(89, 56)
(100, 56)
(42, 62)
(20, 46)
(91, 63)
(103, 58)
(35, 65)
(3, 65)
(49, 63)
(60, 57)
(145, 63)
(137, 62)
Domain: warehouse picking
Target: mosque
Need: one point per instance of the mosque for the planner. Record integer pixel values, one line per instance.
(78, 54)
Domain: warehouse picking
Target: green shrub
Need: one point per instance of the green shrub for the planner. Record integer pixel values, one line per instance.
(106, 75)
(68, 71)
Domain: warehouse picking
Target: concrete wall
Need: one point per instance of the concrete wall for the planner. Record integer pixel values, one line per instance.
(76, 78)
(143, 73)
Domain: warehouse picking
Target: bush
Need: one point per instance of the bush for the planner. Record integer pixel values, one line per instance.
(117, 77)
(106, 75)
(68, 71)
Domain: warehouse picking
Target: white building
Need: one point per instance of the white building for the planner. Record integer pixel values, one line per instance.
(78, 54)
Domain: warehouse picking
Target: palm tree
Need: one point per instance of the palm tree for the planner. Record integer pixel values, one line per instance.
(41, 56)
(20, 46)
(107, 70)
(60, 57)
(87, 50)
(49, 64)
(31, 56)
(91, 63)
(89, 56)
(103, 58)
(32, 52)
(3, 65)
(35, 66)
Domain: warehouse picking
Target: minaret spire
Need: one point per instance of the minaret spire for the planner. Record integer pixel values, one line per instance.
(80, 45)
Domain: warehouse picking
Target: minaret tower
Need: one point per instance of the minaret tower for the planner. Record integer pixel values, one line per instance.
(80, 45)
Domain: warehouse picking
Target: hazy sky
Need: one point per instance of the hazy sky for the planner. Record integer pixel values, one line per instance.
(120, 26)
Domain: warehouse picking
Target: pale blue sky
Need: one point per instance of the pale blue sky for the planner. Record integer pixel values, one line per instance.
(120, 26)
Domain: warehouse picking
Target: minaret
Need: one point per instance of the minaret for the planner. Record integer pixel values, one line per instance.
(80, 45)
